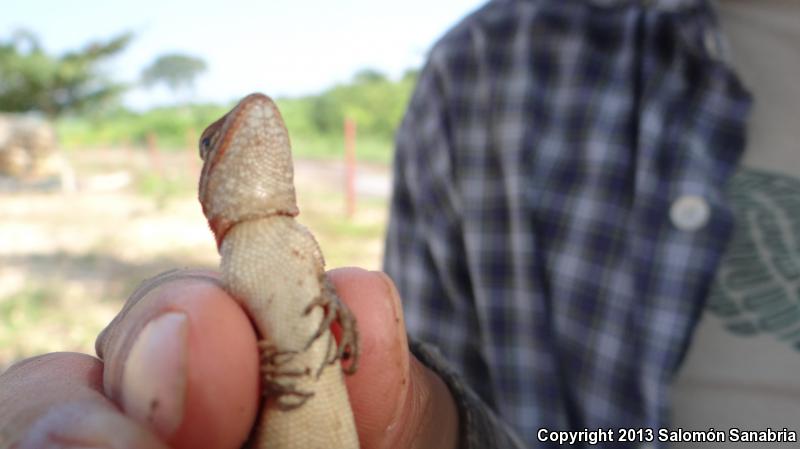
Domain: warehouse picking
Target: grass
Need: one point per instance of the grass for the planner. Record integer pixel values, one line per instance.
(24, 306)
(46, 318)
(161, 188)
(356, 241)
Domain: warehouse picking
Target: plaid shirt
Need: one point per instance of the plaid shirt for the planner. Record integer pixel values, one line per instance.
(531, 233)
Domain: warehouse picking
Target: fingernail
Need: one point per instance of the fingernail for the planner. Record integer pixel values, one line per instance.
(154, 377)
(396, 303)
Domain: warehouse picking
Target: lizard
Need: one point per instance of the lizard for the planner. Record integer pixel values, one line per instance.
(274, 268)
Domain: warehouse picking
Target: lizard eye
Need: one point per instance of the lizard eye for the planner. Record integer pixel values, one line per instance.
(205, 146)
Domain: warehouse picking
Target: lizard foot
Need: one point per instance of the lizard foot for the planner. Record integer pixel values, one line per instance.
(277, 380)
(336, 310)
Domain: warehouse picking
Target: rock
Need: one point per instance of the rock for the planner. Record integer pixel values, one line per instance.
(29, 154)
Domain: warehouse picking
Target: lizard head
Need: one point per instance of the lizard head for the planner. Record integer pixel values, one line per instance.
(247, 166)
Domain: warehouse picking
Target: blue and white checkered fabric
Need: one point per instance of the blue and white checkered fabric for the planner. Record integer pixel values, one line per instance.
(530, 232)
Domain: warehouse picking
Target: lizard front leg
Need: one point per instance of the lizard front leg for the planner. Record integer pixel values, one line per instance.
(335, 311)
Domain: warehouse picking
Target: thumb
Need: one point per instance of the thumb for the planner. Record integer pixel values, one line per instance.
(397, 402)
(181, 358)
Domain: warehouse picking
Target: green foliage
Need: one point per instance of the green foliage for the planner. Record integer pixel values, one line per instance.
(32, 80)
(174, 70)
(375, 102)
(368, 148)
(173, 127)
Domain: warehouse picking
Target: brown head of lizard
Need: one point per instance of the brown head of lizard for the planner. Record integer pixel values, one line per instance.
(247, 170)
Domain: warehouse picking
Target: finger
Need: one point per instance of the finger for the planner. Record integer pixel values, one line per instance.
(56, 400)
(397, 402)
(182, 358)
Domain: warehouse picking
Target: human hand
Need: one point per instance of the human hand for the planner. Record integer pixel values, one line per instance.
(178, 368)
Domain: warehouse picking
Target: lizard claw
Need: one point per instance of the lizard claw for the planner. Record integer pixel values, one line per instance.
(276, 385)
(336, 311)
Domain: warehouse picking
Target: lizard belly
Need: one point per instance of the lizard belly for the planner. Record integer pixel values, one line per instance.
(274, 267)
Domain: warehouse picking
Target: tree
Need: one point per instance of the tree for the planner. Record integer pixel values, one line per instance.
(372, 99)
(174, 70)
(410, 75)
(368, 75)
(326, 113)
(33, 80)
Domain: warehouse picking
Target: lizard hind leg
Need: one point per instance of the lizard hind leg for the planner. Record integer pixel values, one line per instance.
(336, 311)
(279, 382)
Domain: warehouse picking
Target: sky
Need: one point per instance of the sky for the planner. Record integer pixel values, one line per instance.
(279, 47)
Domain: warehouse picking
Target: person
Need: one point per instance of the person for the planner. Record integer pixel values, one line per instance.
(567, 180)
(558, 223)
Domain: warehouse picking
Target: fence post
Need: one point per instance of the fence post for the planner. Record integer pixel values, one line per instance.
(350, 166)
(155, 154)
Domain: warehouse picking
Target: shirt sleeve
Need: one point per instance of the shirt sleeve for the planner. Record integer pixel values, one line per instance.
(479, 426)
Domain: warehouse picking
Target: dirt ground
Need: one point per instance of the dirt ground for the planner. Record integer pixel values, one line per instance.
(68, 259)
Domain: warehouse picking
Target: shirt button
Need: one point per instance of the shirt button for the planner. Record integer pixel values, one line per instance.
(711, 43)
(689, 212)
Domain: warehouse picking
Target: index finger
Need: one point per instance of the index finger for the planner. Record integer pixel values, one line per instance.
(56, 400)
